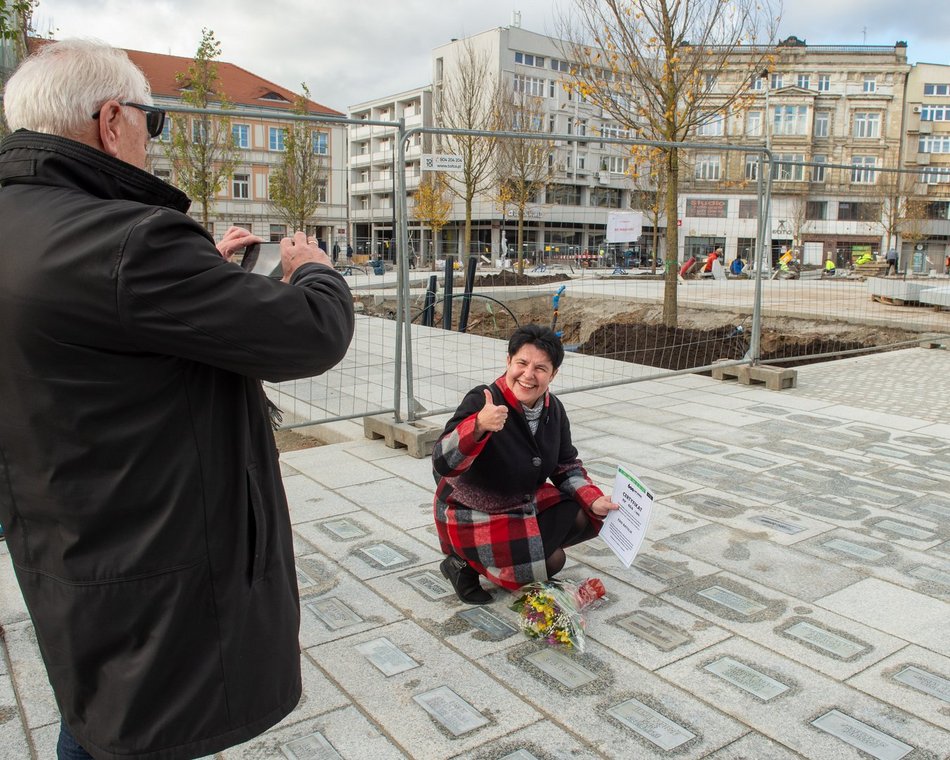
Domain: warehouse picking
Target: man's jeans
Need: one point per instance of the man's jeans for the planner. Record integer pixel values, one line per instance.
(68, 748)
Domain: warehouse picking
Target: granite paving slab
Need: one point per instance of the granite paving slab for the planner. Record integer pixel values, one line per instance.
(332, 466)
(393, 701)
(539, 741)
(395, 500)
(785, 569)
(13, 738)
(754, 746)
(28, 674)
(12, 606)
(781, 699)
(308, 500)
(900, 612)
(845, 463)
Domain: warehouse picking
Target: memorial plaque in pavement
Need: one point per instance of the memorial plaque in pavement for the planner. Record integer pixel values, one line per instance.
(825, 640)
(303, 580)
(651, 628)
(829, 505)
(768, 409)
(932, 507)
(520, 754)
(866, 738)
(810, 475)
(810, 419)
(903, 529)
(489, 623)
(384, 555)
(333, 613)
(913, 480)
(780, 525)
(311, 747)
(859, 489)
(651, 725)
(659, 569)
(711, 506)
(854, 550)
(757, 489)
(701, 472)
(921, 441)
(561, 668)
(888, 452)
(343, 529)
(922, 680)
(430, 585)
(453, 712)
(735, 602)
(386, 656)
(746, 678)
(750, 460)
(931, 574)
(701, 447)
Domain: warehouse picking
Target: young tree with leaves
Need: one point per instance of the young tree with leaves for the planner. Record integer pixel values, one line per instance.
(432, 207)
(202, 150)
(298, 185)
(655, 67)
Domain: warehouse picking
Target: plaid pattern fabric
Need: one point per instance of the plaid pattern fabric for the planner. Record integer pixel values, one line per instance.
(501, 538)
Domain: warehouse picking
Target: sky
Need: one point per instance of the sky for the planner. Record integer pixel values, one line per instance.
(350, 51)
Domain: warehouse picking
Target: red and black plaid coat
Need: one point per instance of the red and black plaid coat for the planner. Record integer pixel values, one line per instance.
(490, 491)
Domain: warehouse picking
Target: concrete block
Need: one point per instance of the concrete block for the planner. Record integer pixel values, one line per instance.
(416, 437)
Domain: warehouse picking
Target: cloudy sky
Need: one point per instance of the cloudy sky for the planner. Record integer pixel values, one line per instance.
(349, 51)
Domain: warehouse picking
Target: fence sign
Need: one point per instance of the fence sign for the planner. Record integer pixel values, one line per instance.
(624, 226)
(442, 162)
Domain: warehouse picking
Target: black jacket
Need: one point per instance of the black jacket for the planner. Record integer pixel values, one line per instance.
(139, 483)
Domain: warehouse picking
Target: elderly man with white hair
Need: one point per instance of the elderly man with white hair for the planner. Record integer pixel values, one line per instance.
(140, 489)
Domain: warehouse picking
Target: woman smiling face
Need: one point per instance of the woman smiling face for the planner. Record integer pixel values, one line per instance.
(529, 373)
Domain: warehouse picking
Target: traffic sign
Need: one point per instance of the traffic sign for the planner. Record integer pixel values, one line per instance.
(442, 162)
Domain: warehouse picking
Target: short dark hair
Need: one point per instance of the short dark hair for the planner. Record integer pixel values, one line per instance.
(543, 338)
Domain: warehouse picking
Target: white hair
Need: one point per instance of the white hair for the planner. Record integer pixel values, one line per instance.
(58, 88)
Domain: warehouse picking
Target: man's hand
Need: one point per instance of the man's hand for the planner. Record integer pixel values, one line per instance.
(491, 418)
(234, 240)
(300, 250)
(602, 505)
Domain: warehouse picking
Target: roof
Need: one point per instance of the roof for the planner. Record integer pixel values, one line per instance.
(240, 85)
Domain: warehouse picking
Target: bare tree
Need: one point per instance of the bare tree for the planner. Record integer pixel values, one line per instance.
(467, 100)
(522, 165)
(656, 67)
(298, 185)
(431, 207)
(202, 150)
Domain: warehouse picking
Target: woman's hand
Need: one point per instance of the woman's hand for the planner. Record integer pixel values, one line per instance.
(491, 418)
(602, 505)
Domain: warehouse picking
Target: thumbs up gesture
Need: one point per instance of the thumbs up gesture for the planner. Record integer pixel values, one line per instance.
(491, 418)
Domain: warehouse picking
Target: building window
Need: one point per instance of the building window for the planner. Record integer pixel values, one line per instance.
(935, 175)
(862, 171)
(242, 135)
(276, 138)
(937, 89)
(751, 166)
(756, 83)
(935, 113)
(708, 166)
(934, 144)
(790, 120)
(824, 82)
(855, 211)
(166, 135)
(867, 124)
(163, 174)
(320, 145)
(322, 191)
(937, 210)
(753, 123)
(804, 81)
(822, 123)
(712, 125)
(277, 231)
(870, 84)
(818, 172)
(559, 65)
(788, 167)
(605, 197)
(529, 60)
(199, 131)
(776, 82)
(710, 81)
(241, 186)
(816, 210)
(748, 208)
(564, 195)
(531, 86)
(614, 164)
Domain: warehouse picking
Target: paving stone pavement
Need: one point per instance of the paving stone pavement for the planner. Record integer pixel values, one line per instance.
(791, 599)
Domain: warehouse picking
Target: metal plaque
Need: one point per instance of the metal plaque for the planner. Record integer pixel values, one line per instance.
(855, 550)
(386, 656)
(929, 683)
(746, 678)
(333, 613)
(311, 747)
(779, 525)
(453, 712)
(701, 447)
(903, 529)
(489, 623)
(650, 724)
(561, 668)
(656, 631)
(750, 460)
(430, 585)
(826, 640)
(384, 555)
(344, 529)
(664, 571)
(304, 580)
(932, 574)
(733, 601)
(866, 738)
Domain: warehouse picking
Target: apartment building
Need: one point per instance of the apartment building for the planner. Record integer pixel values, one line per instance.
(244, 199)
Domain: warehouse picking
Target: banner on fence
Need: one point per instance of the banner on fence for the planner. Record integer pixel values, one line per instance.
(624, 226)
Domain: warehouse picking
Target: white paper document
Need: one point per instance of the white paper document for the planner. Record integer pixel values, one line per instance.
(625, 528)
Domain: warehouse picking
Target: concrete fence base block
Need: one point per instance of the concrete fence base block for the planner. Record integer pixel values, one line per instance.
(417, 437)
(774, 378)
(934, 341)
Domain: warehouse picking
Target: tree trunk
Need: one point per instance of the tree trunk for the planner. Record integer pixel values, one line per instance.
(672, 237)
(521, 240)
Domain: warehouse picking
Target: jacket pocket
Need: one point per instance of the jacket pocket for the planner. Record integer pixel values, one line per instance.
(256, 526)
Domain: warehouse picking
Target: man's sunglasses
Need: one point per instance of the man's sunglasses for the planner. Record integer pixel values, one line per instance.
(154, 117)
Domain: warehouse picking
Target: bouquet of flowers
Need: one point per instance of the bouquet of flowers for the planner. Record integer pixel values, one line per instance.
(551, 610)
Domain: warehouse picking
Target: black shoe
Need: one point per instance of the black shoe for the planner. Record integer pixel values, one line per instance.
(464, 580)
